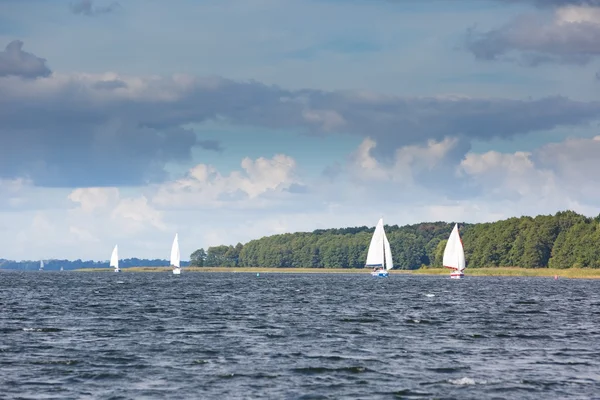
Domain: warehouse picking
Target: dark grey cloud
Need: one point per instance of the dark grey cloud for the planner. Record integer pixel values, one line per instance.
(531, 41)
(78, 132)
(16, 62)
(86, 7)
(553, 3)
(396, 122)
(213, 145)
(118, 153)
(570, 37)
(91, 144)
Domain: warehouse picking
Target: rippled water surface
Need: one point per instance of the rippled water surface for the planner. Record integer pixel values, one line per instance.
(67, 335)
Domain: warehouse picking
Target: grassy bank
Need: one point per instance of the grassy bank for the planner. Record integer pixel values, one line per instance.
(516, 271)
(501, 271)
(242, 270)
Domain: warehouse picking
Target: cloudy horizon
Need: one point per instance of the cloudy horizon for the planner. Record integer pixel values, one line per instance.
(225, 121)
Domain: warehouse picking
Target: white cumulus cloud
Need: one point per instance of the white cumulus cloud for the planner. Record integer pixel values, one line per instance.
(203, 185)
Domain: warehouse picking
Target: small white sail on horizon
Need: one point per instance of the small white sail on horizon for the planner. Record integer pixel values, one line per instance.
(175, 256)
(41, 265)
(114, 259)
(380, 252)
(454, 254)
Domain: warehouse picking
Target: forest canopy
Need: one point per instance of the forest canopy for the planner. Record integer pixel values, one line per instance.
(563, 240)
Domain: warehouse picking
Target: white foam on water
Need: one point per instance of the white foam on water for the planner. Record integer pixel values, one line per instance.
(429, 295)
(462, 381)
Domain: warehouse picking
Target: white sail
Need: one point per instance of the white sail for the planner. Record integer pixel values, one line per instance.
(375, 256)
(41, 265)
(389, 263)
(114, 258)
(175, 256)
(454, 254)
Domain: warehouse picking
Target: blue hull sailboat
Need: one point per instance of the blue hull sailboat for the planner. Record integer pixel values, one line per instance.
(379, 256)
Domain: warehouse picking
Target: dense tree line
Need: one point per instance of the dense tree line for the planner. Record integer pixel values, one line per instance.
(54, 265)
(563, 240)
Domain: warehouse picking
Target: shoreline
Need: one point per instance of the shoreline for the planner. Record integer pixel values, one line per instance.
(495, 271)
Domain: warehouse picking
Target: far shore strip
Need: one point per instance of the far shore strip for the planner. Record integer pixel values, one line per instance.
(499, 271)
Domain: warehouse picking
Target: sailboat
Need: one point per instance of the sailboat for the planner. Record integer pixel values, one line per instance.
(454, 255)
(175, 256)
(61, 268)
(114, 259)
(380, 254)
(41, 265)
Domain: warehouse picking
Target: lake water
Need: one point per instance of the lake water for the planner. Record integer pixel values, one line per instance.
(67, 335)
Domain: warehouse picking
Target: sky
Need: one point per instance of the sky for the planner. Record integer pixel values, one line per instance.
(228, 120)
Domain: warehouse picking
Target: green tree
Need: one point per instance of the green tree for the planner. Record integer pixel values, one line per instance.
(197, 258)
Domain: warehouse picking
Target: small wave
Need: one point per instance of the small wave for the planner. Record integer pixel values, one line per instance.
(55, 362)
(429, 295)
(419, 321)
(526, 302)
(313, 397)
(327, 357)
(259, 375)
(361, 320)
(101, 376)
(448, 370)
(324, 370)
(478, 336)
(527, 312)
(462, 381)
(411, 393)
(263, 327)
(42, 329)
(274, 336)
(563, 363)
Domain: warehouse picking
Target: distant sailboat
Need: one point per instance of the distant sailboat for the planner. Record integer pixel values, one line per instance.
(41, 265)
(380, 254)
(61, 268)
(454, 255)
(175, 256)
(114, 259)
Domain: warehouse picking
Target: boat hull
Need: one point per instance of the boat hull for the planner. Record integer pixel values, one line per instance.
(380, 274)
(176, 271)
(118, 270)
(457, 275)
